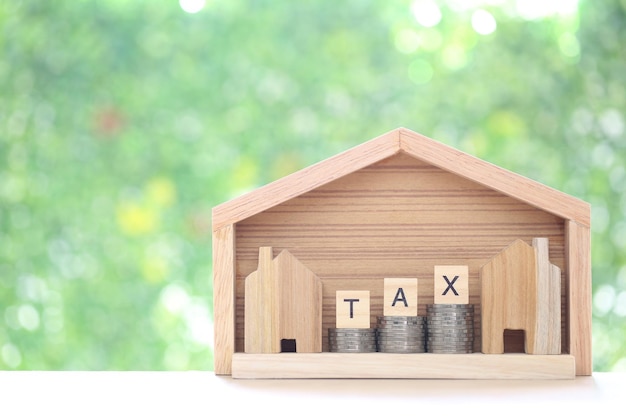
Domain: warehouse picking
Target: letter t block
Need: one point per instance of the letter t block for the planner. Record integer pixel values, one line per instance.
(353, 309)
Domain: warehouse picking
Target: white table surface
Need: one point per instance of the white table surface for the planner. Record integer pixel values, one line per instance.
(197, 393)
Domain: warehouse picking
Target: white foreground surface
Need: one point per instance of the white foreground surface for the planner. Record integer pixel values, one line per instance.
(197, 393)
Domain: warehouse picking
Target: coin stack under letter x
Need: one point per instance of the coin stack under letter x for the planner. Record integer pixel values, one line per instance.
(352, 340)
(450, 328)
(401, 334)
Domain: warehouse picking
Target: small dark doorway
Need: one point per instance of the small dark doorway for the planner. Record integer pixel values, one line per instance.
(514, 341)
(287, 345)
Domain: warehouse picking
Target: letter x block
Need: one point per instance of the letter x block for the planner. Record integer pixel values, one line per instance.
(400, 297)
(353, 310)
(451, 284)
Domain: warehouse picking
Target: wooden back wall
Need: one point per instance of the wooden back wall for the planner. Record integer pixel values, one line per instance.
(397, 218)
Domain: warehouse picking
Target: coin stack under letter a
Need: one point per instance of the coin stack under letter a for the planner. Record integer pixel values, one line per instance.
(352, 340)
(401, 334)
(450, 328)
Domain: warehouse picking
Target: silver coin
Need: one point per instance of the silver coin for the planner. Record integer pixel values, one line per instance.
(451, 328)
(349, 331)
(401, 334)
(408, 324)
(402, 345)
(347, 350)
(396, 346)
(449, 350)
(401, 338)
(450, 306)
(344, 334)
(449, 340)
(342, 340)
(383, 332)
(401, 331)
(450, 336)
(441, 335)
(452, 323)
(352, 345)
(401, 323)
(456, 339)
(402, 341)
(395, 327)
(431, 346)
(450, 316)
(392, 319)
(402, 350)
(354, 337)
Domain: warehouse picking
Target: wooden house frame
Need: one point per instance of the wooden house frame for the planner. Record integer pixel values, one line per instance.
(419, 180)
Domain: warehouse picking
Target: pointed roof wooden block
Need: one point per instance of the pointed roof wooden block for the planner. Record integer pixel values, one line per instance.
(418, 146)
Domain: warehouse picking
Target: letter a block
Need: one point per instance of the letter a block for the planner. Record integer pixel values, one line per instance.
(451, 284)
(353, 310)
(400, 297)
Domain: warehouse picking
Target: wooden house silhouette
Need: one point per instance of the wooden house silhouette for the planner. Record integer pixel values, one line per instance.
(283, 308)
(397, 205)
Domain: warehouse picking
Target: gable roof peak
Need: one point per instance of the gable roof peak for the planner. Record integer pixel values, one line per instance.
(418, 146)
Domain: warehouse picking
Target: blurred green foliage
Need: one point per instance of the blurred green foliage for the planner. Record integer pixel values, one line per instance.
(122, 123)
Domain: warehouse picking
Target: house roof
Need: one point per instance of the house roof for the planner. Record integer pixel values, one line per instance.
(418, 146)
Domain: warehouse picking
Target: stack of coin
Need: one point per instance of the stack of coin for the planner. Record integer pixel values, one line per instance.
(352, 340)
(450, 328)
(401, 334)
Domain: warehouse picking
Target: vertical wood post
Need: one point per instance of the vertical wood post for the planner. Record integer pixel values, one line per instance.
(578, 258)
(224, 299)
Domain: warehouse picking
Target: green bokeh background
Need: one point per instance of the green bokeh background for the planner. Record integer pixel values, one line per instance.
(122, 123)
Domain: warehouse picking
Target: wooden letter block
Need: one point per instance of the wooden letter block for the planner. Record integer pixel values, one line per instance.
(451, 284)
(353, 310)
(400, 297)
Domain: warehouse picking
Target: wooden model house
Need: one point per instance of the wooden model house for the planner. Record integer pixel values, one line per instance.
(283, 312)
(398, 205)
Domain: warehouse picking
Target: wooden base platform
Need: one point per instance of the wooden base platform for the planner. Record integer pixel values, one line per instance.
(402, 366)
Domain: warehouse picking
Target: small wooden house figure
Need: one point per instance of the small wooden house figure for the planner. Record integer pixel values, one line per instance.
(397, 205)
(283, 309)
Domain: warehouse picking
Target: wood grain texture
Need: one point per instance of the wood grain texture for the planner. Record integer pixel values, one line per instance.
(400, 296)
(555, 325)
(509, 296)
(306, 179)
(262, 293)
(300, 304)
(352, 309)
(396, 206)
(283, 300)
(456, 289)
(223, 299)
(579, 290)
(397, 218)
(494, 177)
(548, 311)
(402, 140)
(390, 366)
